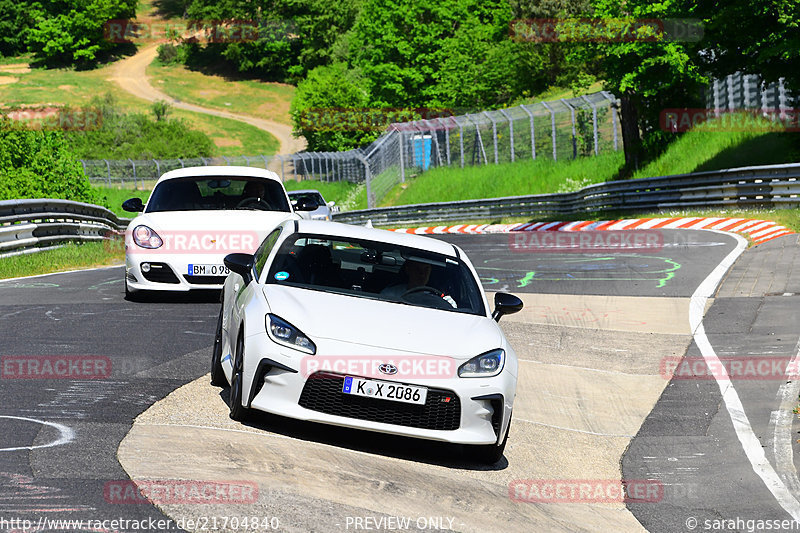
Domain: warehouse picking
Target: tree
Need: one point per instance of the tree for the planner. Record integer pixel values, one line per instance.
(755, 37)
(324, 103)
(648, 72)
(407, 48)
(39, 164)
(73, 32)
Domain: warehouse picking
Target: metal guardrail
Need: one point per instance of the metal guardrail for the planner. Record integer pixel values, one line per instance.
(772, 185)
(29, 225)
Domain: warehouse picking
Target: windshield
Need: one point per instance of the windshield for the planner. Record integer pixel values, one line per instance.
(314, 196)
(217, 193)
(376, 270)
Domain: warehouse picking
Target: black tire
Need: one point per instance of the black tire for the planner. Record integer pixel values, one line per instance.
(238, 411)
(217, 374)
(490, 453)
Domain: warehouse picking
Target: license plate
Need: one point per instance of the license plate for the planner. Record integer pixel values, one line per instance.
(208, 270)
(384, 390)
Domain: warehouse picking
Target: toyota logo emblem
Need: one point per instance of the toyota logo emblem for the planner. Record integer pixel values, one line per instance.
(388, 369)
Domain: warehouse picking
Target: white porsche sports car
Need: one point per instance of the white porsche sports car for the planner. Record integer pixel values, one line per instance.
(193, 219)
(368, 329)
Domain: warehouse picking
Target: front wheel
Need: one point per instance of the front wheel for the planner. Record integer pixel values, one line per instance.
(238, 411)
(217, 374)
(491, 453)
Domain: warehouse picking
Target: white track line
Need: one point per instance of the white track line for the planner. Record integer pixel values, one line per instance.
(750, 444)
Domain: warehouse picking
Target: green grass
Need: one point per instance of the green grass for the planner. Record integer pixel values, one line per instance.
(77, 88)
(246, 97)
(701, 149)
(112, 197)
(541, 176)
(69, 257)
(706, 149)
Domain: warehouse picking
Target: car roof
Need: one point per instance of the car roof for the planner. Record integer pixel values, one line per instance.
(304, 191)
(219, 170)
(337, 229)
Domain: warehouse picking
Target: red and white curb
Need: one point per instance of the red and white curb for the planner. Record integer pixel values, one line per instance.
(759, 231)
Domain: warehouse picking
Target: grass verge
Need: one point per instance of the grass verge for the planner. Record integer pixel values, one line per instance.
(246, 97)
(68, 257)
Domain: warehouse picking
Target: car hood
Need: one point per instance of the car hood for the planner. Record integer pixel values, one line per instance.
(387, 326)
(243, 229)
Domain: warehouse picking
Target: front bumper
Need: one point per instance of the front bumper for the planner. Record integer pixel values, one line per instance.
(170, 272)
(458, 410)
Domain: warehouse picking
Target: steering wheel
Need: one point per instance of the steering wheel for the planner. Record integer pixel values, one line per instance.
(422, 288)
(258, 203)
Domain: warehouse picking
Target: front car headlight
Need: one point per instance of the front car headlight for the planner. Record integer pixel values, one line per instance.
(146, 237)
(286, 334)
(483, 366)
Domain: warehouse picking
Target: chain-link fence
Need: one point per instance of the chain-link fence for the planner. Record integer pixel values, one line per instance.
(556, 130)
(746, 91)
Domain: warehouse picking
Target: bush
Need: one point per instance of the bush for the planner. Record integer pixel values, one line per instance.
(39, 164)
(138, 136)
(167, 54)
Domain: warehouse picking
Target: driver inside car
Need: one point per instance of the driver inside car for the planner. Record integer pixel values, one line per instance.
(417, 276)
(253, 194)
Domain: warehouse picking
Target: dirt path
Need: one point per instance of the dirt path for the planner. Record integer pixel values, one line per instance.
(131, 75)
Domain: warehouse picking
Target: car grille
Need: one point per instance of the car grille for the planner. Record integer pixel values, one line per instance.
(323, 393)
(204, 280)
(160, 273)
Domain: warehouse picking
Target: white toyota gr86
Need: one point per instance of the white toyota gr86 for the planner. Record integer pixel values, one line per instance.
(368, 329)
(194, 218)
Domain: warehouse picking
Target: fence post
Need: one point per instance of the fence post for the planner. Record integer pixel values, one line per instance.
(400, 142)
(533, 132)
(494, 135)
(553, 128)
(246, 160)
(460, 141)
(446, 138)
(574, 137)
(510, 131)
(225, 159)
(181, 162)
(480, 139)
(594, 124)
(158, 170)
(266, 163)
(134, 171)
(108, 172)
(612, 101)
(368, 179)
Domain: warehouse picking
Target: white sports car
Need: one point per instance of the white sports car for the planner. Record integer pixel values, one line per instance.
(368, 329)
(193, 219)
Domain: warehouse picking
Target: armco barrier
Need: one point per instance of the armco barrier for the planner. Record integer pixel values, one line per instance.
(26, 225)
(769, 186)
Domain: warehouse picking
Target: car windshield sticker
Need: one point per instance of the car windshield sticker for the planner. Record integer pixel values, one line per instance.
(281, 276)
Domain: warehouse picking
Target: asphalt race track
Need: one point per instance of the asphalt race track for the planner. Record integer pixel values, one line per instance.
(593, 339)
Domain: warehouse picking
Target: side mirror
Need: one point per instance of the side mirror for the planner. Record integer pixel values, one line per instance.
(306, 204)
(505, 304)
(242, 264)
(332, 203)
(133, 205)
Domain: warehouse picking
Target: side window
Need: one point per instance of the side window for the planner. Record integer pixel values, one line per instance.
(264, 250)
